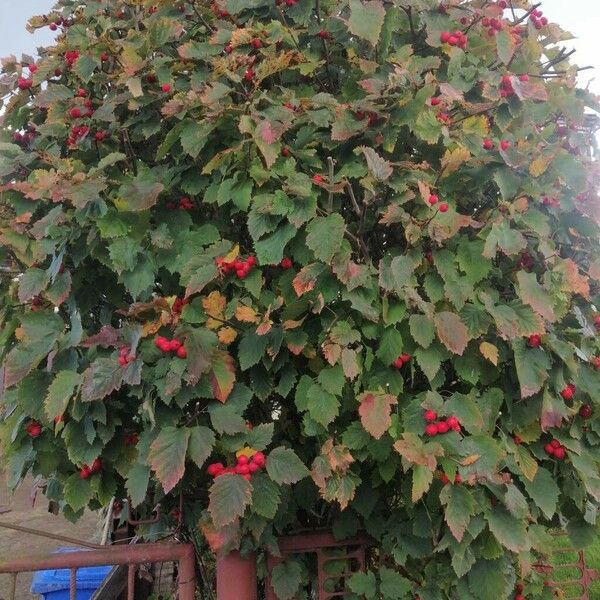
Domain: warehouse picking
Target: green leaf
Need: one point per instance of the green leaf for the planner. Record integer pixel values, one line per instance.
(77, 492)
(201, 443)
(31, 283)
(284, 466)
(532, 293)
(487, 580)
(194, 136)
(251, 349)
(467, 411)
(260, 436)
(532, 365)
(286, 578)
(101, 378)
(269, 250)
(507, 529)
(422, 330)
(503, 238)
(505, 44)
(325, 235)
(459, 508)
(393, 585)
(390, 346)
(266, 496)
(322, 406)
(363, 584)
(229, 496)
(366, 19)
(543, 491)
(137, 482)
(167, 455)
(421, 482)
(140, 194)
(60, 392)
(380, 168)
(581, 533)
(332, 379)
(199, 344)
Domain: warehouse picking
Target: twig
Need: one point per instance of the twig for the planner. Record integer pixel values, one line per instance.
(526, 15)
(353, 199)
(331, 184)
(562, 55)
(408, 11)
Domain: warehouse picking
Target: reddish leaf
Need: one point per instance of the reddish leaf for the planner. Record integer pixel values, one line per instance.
(375, 412)
(223, 375)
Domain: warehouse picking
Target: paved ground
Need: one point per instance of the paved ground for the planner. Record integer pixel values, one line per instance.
(17, 544)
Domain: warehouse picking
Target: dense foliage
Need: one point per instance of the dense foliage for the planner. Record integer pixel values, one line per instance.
(308, 264)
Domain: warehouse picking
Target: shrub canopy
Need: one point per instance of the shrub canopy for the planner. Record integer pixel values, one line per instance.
(353, 243)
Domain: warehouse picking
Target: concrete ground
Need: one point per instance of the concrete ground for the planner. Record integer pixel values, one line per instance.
(15, 544)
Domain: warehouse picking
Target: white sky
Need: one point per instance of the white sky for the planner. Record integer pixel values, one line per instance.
(580, 17)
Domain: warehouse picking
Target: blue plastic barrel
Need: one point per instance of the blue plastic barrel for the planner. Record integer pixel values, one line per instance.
(54, 584)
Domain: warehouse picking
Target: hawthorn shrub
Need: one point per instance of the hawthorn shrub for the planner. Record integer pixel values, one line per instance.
(308, 264)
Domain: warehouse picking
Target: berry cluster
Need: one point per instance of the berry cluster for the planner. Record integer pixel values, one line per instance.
(458, 38)
(537, 19)
(519, 588)
(25, 138)
(534, 341)
(71, 57)
(493, 25)
(435, 426)
(434, 199)
(526, 261)
(506, 87)
(556, 449)
(371, 116)
(568, 393)
(33, 429)
(58, 21)
(166, 346)
(101, 135)
(125, 356)
(179, 304)
(446, 480)
(586, 411)
(241, 267)
(401, 361)
(77, 132)
(184, 204)
(24, 84)
(245, 466)
(86, 472)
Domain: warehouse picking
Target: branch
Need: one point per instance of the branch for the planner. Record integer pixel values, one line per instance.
(353, 198)
(562, 55)
(526, 15)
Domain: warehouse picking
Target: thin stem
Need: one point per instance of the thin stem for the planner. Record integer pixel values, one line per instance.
(331, 183)
(526, 15)
(353, 198)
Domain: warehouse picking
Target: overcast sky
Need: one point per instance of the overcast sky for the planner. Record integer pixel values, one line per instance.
(580, 17)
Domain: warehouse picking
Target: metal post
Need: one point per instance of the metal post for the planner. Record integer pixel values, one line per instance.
(187, 575)
(131, 582)
(236, 577)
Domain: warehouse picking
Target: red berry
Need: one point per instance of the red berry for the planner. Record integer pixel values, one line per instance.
(453, 40)
(519, 588)
(24, 84)
(443, 427)
(444, 479)
(96, 465)
(549, 449)
(251, 260)
(430, 416)
(253, 467)
(586, 411)
(286, 263)
(505, 145)
(249, 75)
(398, 363)
(559, 453)
(104, 56)
(166, 87)
(433, 199)
(75, 113)
(259, 459)
(317, 178)
(215, 469)
(431, 429)
(555, 444)
(159, 341)
(182, 352)
(122, 360)
(435, 101)
(524, 77)
(256, 43)
(457, 478)
(488, 144)
(517, 440)
(567, 394)
(85, 472)
(452, 422)
(444, 37)
(534, 340)
(174, 345)
(443, 207)
(242, 469)
(34, 429)
(32, 68)
(242, 459)
(53, 26)
(404, 358)
(519, 597)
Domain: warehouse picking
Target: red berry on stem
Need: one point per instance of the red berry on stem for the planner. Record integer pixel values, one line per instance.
(488, 144)
(182, 352)
(534, 340)
(286, 263)
(443, 207)
(174, 345)
(430, 415)
(317, 178)
(504, 145)
(259, 459)
(567, 393)
(443, 427)
(431, 429)
(452, 422)
(586, 411)
(166, 87)
(256, 43)
(555, 444)
(559, 453)
(549, 449)
(96, 465)
(433, 199)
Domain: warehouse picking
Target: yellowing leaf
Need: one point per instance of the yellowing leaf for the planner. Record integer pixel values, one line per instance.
(291, 324)
(451, 332)
(453, 159)
(214, 306)
(375, 412)
(246, 451)
(540, 164)
(233, 254)
(246, 314)
(469, 460)
(490, 352)
(227, 335)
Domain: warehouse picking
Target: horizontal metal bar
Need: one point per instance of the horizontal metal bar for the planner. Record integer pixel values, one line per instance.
(109, 555)
(52, 536)
(311, 542)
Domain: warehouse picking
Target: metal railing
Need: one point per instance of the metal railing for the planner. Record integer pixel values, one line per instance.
(132, 556)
